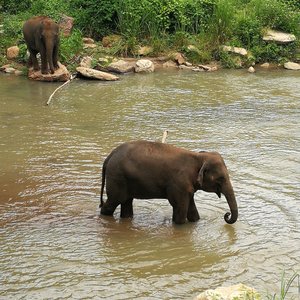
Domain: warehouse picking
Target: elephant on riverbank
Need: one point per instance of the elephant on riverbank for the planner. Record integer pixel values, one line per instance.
(145, 170)
(41, 35)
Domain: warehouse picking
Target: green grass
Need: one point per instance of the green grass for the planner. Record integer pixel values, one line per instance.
(285, 288)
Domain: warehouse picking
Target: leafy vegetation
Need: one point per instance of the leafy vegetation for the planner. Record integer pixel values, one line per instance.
(165, 25)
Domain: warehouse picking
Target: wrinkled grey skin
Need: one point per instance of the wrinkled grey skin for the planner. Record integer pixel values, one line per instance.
(146, 170)
(41, 35)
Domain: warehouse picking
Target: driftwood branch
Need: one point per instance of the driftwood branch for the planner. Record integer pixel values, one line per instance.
(65, 83)
(164, 137)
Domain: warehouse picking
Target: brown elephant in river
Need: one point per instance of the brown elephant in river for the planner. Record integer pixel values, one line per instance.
(145, 170)
(41, 35)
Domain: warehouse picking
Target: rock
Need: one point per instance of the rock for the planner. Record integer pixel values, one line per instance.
(61, 74)
(236, 50)
(265, 65)
(179, 58)
(12, 52)
(95, 74)
(87, 40)
(110, 40)
(278, 37)
(144, 65)
(235, 292)
(103, 60)
(86, 62)
(66, 25)
(90, 46)
(251, 70)
(18, 73)
(145, 50)
(170, 64)
(292, 66)
(121, 67)
(10, 70)
(4, 67)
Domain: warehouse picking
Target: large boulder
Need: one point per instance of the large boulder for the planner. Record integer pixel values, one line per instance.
(292, 66)
(235, 292)
(278, 37)
(12, 52)
(121, 67)
(95, 74)
(61, 74)
(235, 50)
(144, 66)
(66, 24)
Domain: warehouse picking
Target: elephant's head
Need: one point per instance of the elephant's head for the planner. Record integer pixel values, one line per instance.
(49, 33)
(213, 177)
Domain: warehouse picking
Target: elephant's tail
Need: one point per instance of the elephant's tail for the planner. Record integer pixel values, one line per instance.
(103, 178)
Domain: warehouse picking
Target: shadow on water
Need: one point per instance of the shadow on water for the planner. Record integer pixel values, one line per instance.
(53, 243)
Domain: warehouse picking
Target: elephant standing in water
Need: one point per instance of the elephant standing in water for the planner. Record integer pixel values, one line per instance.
(145, 170)
(41, 35)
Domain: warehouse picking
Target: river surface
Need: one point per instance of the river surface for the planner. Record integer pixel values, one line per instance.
(54, 244)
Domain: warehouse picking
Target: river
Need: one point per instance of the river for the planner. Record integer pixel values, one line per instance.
(54, 244)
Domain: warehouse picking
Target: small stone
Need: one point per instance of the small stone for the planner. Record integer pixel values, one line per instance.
(179, 58)
(292, 66)
(89, 46)
(144, 65)
(236, 50)
(169, 64)
(86, 62)
(10, 70)
(12, 52)
(145, 50)
(251, 70)
(265, 65)
(87, 40)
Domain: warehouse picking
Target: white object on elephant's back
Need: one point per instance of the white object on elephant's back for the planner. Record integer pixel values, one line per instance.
(164, 137)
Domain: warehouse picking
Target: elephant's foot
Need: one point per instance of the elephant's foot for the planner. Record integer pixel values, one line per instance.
(107, 211)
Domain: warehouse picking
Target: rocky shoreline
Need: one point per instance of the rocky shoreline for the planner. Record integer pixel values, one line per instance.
(108, 68)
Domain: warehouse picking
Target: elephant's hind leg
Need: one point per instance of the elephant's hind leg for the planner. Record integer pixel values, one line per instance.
(127, 209)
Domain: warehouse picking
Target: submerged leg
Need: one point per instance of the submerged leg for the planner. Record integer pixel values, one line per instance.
(127, 209)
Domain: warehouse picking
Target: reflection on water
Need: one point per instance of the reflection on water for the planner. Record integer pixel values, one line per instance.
(53, 244)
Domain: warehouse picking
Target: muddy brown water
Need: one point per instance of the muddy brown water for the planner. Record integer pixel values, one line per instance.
(54, 245)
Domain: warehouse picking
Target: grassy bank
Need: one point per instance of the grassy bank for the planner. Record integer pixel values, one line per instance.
(166, 26)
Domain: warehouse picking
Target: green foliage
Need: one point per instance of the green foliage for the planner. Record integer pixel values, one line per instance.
(273, 52)
(51, 8)
(70, 47)
(164, 24)
(221, 23)
(94, 18)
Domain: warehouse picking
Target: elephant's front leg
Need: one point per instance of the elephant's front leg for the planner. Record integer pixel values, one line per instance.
(192, 213)
(180, 204)
(44, 62)
(127, 209)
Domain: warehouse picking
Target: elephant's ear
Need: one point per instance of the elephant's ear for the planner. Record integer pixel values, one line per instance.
(201, 175)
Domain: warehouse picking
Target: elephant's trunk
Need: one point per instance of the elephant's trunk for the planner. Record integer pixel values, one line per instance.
(228, 192)
(49, 53)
